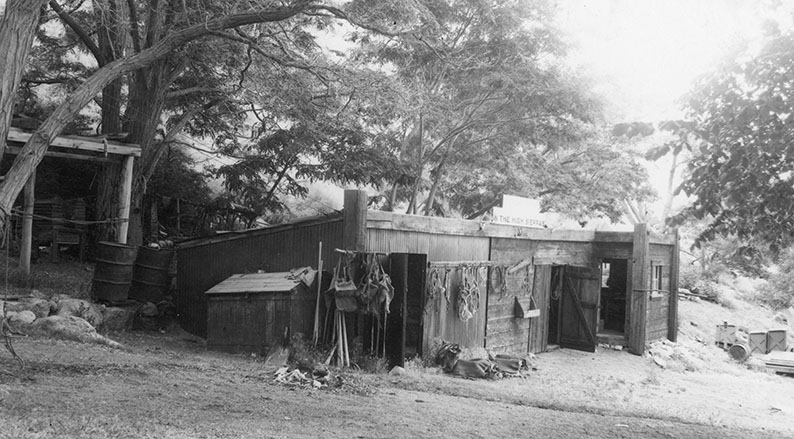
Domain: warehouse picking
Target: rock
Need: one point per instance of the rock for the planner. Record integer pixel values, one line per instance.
(397, 371)
(780, 318)
(69, 328)
(90, 312)
(25, 317)
(39, 307)
(149, 310)
(117, 319)
(693, 323)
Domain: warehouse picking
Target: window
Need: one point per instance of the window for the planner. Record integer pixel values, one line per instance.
(660, 281)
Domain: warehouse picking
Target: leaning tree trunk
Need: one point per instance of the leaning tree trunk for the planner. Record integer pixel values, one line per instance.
(35, 148)
(17, 28)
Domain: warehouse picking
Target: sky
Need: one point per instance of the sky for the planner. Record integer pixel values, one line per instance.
(645, 54)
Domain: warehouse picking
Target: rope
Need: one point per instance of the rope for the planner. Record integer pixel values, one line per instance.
(22, 214)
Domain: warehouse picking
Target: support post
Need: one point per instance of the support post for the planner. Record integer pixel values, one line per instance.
(672, 309)
(640, 284)
(125, 199)
(26, 248)
(355, 220)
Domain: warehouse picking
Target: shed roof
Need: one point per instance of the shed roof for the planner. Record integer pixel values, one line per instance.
(264, 282)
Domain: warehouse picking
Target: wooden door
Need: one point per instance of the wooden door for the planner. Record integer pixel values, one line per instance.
(579, 308)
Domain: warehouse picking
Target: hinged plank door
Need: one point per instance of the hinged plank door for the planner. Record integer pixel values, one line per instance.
(579, 304)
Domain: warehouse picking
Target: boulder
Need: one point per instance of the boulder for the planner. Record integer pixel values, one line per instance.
(90, 312)
(69, 328)
(25, 317)
(149, 310)
(117, 319)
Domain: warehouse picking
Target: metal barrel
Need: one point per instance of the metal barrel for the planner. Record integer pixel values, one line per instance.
(739, 352)
(150, 278)
(113, 271)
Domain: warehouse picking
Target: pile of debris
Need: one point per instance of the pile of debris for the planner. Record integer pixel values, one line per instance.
(495, 366)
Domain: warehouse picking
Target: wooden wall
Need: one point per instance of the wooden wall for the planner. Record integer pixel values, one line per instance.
(203, 264)
(441, 319)
(658, 309)
(255, 322)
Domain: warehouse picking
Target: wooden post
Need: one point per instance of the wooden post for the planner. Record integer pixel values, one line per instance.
(27, 224)
(355, 220)
(640, 285)
(125, 196)
(672, 310)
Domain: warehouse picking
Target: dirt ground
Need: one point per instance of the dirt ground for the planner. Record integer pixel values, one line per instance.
(169, 385)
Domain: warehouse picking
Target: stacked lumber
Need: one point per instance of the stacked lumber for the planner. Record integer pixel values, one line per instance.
(781, 362)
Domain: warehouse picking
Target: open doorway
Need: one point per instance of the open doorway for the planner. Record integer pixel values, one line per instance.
(554, 305)
(404, 330)
(614, 298)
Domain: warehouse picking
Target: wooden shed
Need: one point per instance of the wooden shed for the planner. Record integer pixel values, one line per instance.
(252, 312)
(506, 288)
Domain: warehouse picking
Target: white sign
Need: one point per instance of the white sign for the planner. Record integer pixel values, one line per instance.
(518, 211)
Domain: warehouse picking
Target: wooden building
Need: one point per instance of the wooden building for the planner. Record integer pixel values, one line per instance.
(90, 149)
(506, 288)
(247, 312)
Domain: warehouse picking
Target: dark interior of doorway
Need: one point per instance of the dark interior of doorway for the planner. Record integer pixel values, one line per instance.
(404, 327)
(614, 281)
(554, 320)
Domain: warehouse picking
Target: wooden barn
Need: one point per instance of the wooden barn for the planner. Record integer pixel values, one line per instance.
(506, 288)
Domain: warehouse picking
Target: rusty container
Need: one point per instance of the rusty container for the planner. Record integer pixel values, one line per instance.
(113, 271)
(150, 277)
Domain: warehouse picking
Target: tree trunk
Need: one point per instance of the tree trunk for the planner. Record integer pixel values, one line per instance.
(33, 151)
(17, 28)
(112, 40)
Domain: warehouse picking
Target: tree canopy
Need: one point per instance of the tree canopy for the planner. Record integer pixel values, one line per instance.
(431, 93)
(741, 175)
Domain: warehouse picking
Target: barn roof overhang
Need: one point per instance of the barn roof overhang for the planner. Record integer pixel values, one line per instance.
(75, 147)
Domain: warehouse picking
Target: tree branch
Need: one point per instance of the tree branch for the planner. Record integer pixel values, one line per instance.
(135, 32)
(81, 33)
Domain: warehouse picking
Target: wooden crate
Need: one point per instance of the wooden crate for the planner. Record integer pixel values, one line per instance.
(756, 341)
(776, 340)
(725, 335)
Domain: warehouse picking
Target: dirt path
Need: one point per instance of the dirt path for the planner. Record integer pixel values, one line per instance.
(165, 386)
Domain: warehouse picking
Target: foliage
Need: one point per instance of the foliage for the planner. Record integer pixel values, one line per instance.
(176, 179)
(778, 293)
(488, 103)
(742, 170)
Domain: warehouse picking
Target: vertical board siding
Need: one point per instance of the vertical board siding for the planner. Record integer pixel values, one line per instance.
(441, 319)
(658, 310)
(507, 333)
(201, 267)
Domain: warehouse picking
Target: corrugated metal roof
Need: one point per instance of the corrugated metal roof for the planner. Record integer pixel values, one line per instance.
(257, 283)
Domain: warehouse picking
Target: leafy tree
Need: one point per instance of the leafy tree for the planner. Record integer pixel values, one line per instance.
(489, 103)
(164, 36)
(742, 171)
